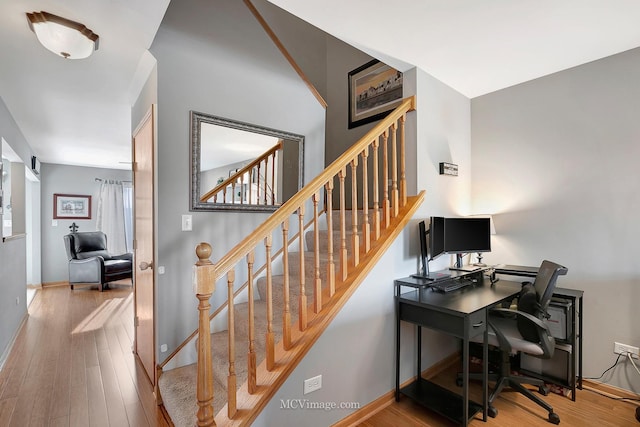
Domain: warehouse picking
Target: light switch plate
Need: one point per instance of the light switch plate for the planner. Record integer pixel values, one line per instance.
(187, 223)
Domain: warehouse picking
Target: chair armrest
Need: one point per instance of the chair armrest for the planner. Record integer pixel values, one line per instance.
(88, 270)
(128, 256)
(546, 340)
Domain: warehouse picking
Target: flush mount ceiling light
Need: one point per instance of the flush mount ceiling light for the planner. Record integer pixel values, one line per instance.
(66, 38)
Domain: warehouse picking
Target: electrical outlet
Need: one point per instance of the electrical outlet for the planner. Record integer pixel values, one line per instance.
(312, 384)
(619, 348)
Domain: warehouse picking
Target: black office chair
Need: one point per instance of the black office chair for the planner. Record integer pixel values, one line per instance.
(523, 330)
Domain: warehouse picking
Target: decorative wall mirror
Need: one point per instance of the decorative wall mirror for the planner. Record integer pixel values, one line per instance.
(242, 167)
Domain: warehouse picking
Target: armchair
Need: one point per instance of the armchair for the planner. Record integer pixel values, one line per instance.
(91, 263)
(523, 330)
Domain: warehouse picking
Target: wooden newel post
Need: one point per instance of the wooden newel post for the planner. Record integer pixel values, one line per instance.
(203, 286)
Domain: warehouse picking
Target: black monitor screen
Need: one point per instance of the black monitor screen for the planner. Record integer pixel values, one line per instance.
(464, 235)
(436, 237)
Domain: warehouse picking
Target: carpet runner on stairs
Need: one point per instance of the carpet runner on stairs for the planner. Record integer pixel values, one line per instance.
(178, 386)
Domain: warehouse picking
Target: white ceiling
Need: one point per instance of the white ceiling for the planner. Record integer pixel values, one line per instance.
(480, 46)
(78, 112)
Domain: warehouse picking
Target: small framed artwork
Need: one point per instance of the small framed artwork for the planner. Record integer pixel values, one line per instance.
(71, 206)
(374, 89)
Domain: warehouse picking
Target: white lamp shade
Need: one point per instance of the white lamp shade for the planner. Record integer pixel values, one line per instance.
(63, 37)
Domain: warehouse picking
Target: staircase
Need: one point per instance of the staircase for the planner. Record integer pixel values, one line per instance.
(322, 262)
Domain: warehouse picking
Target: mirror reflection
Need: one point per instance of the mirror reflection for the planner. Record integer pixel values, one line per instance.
(240, 166)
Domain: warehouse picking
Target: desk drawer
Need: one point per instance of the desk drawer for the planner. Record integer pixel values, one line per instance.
(477, 323)
(449, 323)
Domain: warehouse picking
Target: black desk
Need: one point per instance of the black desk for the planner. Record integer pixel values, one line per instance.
(461, 313)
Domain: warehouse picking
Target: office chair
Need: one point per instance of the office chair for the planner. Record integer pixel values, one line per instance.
(523, 330)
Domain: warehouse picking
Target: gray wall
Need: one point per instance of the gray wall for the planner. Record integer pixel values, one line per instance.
(304, 42)
(556, 161)
(13, 264)
(148, 95)
(63, 179)
(13, 295)
(215, 58)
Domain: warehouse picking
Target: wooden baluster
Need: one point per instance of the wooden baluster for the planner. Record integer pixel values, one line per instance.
(343, 227)
(224, 195)
(270, 344)
(243, 196)
(355, 239)
(250, 187)
(286, 313)
(204, 285)
(366, 227)
(394, 172)
(266, 173)
(233, 191)
(403, 177)
(251, 359)
(376, 191)
(257, 178)
(273, 179)
(331, 266)
(302, 298)
(317, 283)
(231, 379)
(386, 209)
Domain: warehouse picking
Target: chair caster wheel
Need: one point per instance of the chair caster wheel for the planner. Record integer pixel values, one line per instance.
(492, 411)
(554, 418)
(543, 390)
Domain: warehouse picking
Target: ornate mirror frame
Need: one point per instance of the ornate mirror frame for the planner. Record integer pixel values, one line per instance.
(197, 119)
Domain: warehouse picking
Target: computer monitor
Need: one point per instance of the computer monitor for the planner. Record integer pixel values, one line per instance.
(431, 245)
(465, 235)
(436, 237)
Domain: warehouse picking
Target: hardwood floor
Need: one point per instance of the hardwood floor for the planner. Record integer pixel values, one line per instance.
(589, 409)
(72, 363)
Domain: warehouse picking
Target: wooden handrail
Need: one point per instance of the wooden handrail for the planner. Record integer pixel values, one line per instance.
(285, 53)
(242, 171)
(353, 161)
(240, 250)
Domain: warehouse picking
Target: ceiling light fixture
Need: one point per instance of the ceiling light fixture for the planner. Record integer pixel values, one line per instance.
(66, 38)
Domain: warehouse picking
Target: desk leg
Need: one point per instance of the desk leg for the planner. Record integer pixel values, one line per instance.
(579, 343)
(485, 372)
(419, 344)
(397, 351)
(465, 379)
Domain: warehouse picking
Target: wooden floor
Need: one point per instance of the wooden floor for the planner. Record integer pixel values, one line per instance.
(72, 363)
(589, 409)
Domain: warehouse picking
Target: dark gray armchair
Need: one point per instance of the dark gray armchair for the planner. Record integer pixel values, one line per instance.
(91, 263)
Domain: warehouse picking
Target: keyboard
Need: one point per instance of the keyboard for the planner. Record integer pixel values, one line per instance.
(452, 285)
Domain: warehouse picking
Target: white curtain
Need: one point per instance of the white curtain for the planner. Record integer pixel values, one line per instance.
(127, 194)
(111, 216)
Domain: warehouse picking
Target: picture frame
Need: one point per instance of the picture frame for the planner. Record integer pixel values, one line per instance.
(375, 89)
(71, 206)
